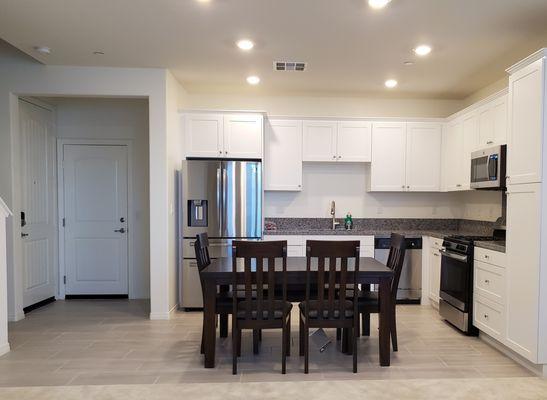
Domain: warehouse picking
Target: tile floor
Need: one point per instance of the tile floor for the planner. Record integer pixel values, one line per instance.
(107, 342)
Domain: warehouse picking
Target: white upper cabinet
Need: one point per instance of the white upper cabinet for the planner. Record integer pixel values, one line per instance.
(283, 155)
(452, 143)
(223, 135)
(340, 141)
(470, 143)
(204, 135)
(243, 135)
(526, 119)
(319, 140)
(492, 122)
(354, 141)
(387, 171)
(423, 157)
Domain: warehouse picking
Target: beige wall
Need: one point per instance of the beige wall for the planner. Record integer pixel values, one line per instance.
(486, 91)
(321, 106)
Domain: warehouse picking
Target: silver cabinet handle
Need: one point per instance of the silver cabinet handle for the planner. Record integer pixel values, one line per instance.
(24, 234)
(121, 230)
(489, 142)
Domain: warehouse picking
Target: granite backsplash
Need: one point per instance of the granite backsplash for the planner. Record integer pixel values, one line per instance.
(386, 224)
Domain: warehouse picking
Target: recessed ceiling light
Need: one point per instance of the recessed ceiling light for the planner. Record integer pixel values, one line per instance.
(253, 80)
(204, 1)
(245, 44)
(408, 63)
(377, 4)
(42, 49)
(98, 53)
(390, 83)
(422, 50)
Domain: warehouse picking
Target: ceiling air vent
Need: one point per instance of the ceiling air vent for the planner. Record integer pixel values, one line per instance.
(289, 66)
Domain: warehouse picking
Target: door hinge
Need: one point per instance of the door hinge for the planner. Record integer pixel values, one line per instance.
(64, 280)
(64, 223)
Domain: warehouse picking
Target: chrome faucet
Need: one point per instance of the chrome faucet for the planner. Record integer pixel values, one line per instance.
(333, 213)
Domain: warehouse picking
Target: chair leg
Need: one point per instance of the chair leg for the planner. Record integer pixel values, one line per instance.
(338, 334)
(202, 347)
(301, 337)
(345, 340)
(393, 330)
(260, 335)
(365, 321)
(223, 325)
(235, 346)
(357, 327)
(239, 342)
(306, 348)
(354, 345)
(255, 341)
(288, 338)
(284, 348)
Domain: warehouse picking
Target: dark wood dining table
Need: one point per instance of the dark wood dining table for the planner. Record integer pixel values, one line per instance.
(219, 274)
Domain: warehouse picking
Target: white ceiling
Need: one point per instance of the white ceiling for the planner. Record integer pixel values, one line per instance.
(350, 49)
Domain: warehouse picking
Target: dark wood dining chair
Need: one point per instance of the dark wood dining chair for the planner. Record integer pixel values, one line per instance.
(368, 301)
(223, 299)
(260, 279)
(330, 307)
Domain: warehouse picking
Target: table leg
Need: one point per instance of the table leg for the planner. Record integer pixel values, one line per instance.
(385, 318)
(209, 323)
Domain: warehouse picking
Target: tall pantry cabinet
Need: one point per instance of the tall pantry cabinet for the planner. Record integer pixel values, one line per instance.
(526, 275)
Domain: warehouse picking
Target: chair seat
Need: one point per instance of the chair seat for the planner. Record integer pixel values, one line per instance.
(314, 312)
(279, 307)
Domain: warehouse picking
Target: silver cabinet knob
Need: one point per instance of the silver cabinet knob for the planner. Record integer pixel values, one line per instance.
(220, 152)
(487, 281)
(121, 230)
(489, 142)
(485, 316)
(334, 157)
(24, 234)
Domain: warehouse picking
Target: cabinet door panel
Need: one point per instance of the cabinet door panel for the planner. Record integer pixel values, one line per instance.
(499, 117)
(243, 136)
(522, 270)
(486, 125)
(423, 157)
(354, 141)
(434, 274)
(319, 140)
(470, 143)
(453, 156)
(204, 135)
(526, 108)
(387, 171)
(283, 155)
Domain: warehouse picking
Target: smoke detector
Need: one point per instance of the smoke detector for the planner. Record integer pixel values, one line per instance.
(289, 66)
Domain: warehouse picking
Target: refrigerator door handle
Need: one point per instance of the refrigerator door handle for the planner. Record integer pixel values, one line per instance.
(224, 223)
(219, 198)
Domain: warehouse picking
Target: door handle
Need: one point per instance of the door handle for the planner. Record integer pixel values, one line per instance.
(121, 230)
(24, 234)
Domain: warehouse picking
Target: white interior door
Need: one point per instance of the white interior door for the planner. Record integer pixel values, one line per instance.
(95, 202)
(38, 203)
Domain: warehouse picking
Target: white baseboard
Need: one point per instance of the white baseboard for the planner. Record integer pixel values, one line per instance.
(538, 369)
(16, 317)
(4, 348)
(164, 315)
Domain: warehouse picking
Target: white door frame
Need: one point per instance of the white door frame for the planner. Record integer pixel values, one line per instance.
(61, 205)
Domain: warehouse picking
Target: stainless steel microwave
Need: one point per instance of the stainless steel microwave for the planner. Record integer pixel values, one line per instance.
(488, 168)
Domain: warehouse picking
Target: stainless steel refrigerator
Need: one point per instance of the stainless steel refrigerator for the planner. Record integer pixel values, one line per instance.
(222, 198)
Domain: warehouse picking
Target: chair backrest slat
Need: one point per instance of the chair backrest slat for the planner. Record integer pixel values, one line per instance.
(201, 247)
(337, 276)
(395, 260)
(259, 277)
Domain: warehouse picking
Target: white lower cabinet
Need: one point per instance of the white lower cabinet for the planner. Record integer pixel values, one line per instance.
(296, 244)
(434, 263)
(489, 317)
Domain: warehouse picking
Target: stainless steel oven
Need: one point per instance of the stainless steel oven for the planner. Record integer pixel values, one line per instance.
(488, 168)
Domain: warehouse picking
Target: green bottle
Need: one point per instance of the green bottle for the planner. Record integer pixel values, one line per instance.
(348, 221)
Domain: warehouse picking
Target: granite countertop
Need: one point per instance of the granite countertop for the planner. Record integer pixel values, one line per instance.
(363, 232)
(495, 245)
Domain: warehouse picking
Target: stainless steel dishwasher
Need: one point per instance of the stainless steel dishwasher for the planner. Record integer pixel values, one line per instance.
(410, 284)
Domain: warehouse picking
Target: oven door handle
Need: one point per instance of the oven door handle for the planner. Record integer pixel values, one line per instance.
(452, 255)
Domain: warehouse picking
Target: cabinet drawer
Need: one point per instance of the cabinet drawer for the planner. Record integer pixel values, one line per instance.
(489, 281)
(490, 256)
(488, 317)
(292, 240)
(296, 251)
(364, 240)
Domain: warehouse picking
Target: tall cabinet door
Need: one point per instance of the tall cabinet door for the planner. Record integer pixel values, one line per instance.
(387, 171)
(452, 156)
(526, 107)
(423, 157)
(204, 135)
(283, 155)
(354, 141)
(499, 117)
(243, 136)
(319, 140)
(523, 266)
